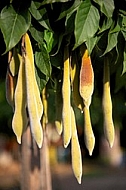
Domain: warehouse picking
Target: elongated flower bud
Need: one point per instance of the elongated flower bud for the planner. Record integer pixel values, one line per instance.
(34, 115)
(66, 115)
(75, 150)
(107, 105)
(29, 54)
(86, 79)
(20, 121)
(88, 132)
(34, 103)
(75, 76)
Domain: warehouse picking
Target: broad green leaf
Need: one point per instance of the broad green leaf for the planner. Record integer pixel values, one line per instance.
(53, 1)
(69, 23)
(36, 34)
(90, 43)
(86, 22)
(70, 10)
(116, 29)
(112, 41)
(42, 61)
(106, 6)
(107, 23)
(41, 79)
(35, 4)
(116, 25)
(40, 15)
(14, 24)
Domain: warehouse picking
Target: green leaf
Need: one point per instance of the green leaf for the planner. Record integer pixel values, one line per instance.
(36, 34)
(124, 61)
(86, 22)
(69, 23)
(70, 10)
(116, 29)
(106, 6)
(14, 24)
(107, 23)
(57, 60)
(41, 79)
(123, 29)
(112, 41)
(5, 109)
(49, 39)
(53, 1)
(35, 4)
(120, 48)
(124, 21)
(60, 39)
(42, 61)
(40, 15)
(90, 43)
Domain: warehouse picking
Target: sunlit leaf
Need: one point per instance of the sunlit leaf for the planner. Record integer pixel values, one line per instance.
(41, 79)
(116, 29)
(86, 22)
(49, 39)
(42, 61)
(53, 1)
(36, 34)
(106, 6)
(70, 10)
(40, 15)
(90, 43)
(112, 42)
(13, 25)
(107, 23)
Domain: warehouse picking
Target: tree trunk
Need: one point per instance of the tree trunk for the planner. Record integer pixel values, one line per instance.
(35, 167)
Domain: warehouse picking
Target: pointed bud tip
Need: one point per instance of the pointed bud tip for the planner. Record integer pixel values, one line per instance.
(58, 127)
(90, 153)
(66, 142)
(65, 145)
(111, 144)
(79, 179)
(19, 140)
(39, 144)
